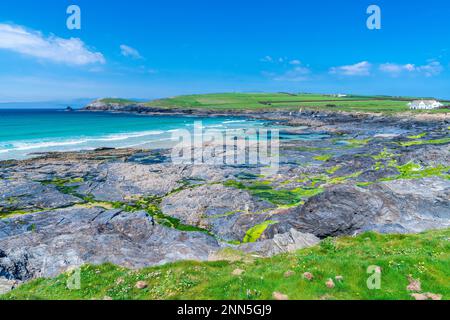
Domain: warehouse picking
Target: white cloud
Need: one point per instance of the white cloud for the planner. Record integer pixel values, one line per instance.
(295, 75)
(267, 59)
(395, 69)
(295, 62)
(358, 69)
(275, 60)
(432, 68)
(32, 43)
(128, 51)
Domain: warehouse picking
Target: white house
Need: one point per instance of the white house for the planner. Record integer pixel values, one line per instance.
(425, 104)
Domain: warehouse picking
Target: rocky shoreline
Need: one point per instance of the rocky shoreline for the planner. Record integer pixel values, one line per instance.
(135, 208)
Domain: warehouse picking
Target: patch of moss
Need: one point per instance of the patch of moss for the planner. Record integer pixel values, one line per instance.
(424, 142)
(419, 136)
(338, 180)
(324, 157)
(384, 155)
(152, 206)
(254, 233)
(13, 213)
(333, 170)
(279, 197)
(413, 170)
(66, 186)
(364, 184)
(378, 166)
(353, 143)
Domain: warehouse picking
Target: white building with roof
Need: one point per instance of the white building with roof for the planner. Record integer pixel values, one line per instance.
(425, 104)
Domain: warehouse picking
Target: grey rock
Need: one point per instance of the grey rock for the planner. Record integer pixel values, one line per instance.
(281, 243)
(7, 285)
(227, 212)
(62, 239)
(402, 206)
(29, 196)
(120, 181)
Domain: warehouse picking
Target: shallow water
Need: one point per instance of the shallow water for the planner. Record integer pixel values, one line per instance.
(24, 132)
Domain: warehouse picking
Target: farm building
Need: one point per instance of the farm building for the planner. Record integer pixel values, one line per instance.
(425, 104)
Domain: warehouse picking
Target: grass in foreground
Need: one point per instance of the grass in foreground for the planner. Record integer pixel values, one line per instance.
(424, 256)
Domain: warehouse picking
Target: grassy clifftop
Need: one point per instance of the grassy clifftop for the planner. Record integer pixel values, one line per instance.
(424, 257)
(284, 101)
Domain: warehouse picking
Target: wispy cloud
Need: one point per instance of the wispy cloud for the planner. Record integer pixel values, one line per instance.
(34, 44)
(358, 69)
(396, 69)
(128, 51)
(432, 68)
(296, 74)
(279, 60)
(267, 59)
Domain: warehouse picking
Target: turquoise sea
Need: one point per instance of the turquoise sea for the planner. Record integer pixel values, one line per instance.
(26, 132)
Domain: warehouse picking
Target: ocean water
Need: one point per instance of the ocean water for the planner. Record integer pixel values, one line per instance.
(23, 133)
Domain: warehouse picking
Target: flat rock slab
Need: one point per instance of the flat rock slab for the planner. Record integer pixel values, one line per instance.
(119, 181)
(46, 244)
(29, 196)
(227, 212)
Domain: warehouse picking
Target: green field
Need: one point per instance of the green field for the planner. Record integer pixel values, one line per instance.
(284, 101)
(424, 257)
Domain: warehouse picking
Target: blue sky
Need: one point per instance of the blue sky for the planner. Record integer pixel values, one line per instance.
(149, 49)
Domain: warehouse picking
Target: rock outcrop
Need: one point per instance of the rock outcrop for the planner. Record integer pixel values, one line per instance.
(48, 243)
(400, 206)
